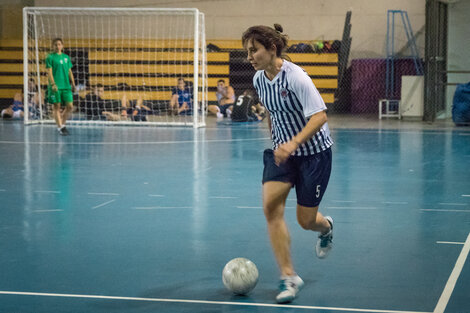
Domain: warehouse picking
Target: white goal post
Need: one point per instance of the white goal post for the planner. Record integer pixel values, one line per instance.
(127, 64)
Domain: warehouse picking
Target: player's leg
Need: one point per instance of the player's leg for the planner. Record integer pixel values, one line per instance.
(274, 197)
(66, 112)
(57, 114)
(67, 98)
(54, 97)
(310, 219)
(173, 105)
(215, 110)
(7, 113)
(314, 175)
(277, 182)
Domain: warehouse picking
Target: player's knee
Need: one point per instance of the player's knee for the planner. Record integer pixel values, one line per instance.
(272, 212)
(305, 222)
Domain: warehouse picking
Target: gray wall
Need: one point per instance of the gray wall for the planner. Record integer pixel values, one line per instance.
(458, 47)
(302, 19)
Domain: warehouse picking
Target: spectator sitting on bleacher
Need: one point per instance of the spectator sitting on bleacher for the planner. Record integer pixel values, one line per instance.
(16, 110)
(181, 99)
(93, 105)
(225, 98)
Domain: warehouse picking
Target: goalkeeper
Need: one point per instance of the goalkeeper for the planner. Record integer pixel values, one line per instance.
(59, 90)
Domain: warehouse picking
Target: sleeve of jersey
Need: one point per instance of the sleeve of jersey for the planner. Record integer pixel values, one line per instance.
(48, 61)
(308, 95)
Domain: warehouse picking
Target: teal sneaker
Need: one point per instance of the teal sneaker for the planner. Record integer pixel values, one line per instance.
(290, 287)
(325, 241)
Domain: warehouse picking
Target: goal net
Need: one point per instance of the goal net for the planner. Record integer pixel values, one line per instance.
(130, 66)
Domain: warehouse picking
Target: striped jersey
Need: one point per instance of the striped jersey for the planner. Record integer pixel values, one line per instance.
(291, 98)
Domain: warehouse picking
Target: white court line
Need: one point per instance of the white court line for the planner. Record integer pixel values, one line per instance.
(246, 304)
(350, 208)
(450, 242)
(449, 288)
(46, 191)
(161, 207)
(42, 211)
(465, 195)
(2, 190)
(443, 210)
(156, 196)
(259, 207)
(221, 197)
(103, 194)
(392, 202)
(449, 203)
(103, 204)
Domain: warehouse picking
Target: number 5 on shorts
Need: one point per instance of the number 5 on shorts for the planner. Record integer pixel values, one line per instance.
(317, 194)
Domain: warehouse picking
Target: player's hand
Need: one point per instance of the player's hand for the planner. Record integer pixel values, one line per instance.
(284, 151)
(54, 88)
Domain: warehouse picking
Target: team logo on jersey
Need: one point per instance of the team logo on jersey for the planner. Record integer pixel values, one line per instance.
(284, 93)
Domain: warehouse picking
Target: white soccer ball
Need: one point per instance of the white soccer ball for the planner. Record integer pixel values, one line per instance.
(240, 276)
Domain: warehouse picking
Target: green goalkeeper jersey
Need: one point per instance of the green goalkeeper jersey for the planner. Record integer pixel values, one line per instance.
(60, 64)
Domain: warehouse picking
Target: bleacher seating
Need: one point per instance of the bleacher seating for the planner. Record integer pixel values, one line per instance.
(152, 67)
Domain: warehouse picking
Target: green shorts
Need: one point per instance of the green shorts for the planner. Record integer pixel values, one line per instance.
(62, 96)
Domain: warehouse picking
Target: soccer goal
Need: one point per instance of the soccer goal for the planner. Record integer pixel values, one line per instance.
(132, 66)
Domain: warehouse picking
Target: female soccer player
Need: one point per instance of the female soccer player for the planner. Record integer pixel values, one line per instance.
(59, 90)
(301, 154)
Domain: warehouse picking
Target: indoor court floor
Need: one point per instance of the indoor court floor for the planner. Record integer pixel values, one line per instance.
(143, 219)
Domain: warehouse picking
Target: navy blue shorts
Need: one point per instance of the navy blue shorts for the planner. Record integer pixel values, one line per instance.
(309, 174)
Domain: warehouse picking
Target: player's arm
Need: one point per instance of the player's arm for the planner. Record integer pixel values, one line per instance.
(284, 151)
(314, 124)
(314, 110)
(229, 92)
(146, 107)
(174, 100)
(72, 79)
(51, 79)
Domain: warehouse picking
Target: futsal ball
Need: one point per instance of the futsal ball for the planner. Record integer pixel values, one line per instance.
(240, 276)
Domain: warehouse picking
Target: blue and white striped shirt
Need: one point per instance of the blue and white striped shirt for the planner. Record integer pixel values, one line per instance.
(291, 98)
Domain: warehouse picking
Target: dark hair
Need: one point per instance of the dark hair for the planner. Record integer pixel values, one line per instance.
(221, 81)
(99, 85)
(267, 36)
(57, 39)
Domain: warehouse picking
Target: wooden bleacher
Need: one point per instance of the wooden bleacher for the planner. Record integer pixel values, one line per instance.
(152, 68)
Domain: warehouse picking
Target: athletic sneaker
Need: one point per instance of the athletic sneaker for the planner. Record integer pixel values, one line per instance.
(290, 287)
(62, 132)
(65, 130)
(219, 115)
(325, 241)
